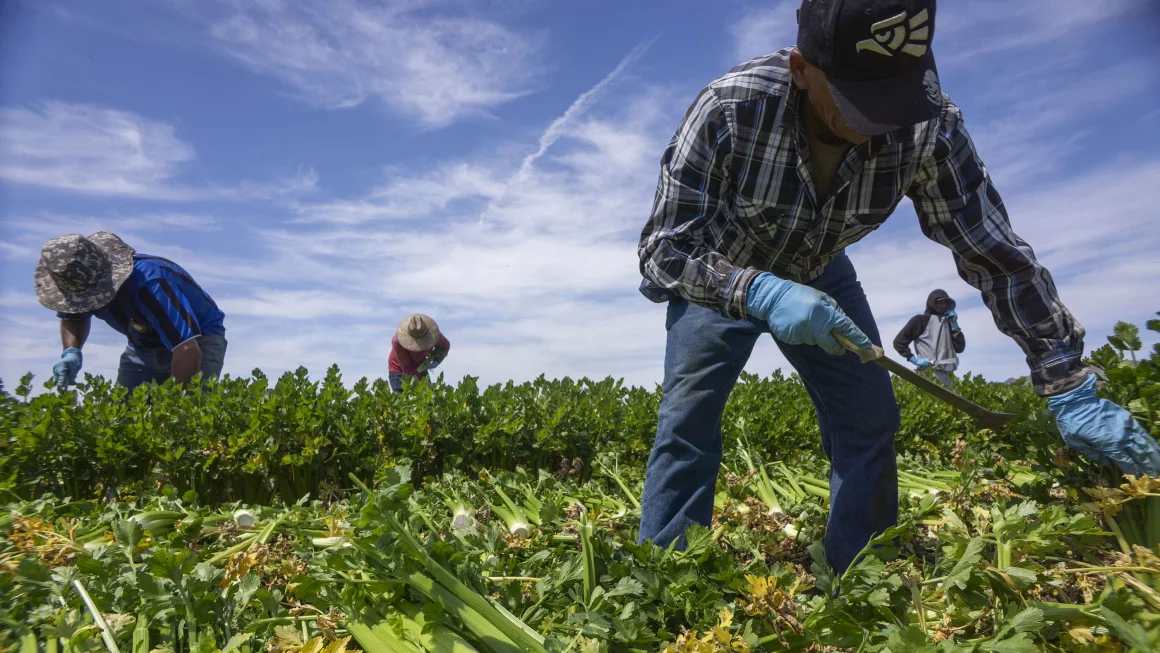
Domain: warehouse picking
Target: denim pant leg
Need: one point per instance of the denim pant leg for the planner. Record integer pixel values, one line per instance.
(395, 381)
(858, 416)
(704, 354)
(139, 365)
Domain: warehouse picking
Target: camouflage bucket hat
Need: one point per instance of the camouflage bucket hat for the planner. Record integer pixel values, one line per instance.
(418, 333)
(77, 274)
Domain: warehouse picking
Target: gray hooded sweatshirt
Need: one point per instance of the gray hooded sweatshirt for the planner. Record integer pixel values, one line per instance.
(931, 336)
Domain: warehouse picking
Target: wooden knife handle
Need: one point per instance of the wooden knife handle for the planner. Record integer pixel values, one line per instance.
(867, 355)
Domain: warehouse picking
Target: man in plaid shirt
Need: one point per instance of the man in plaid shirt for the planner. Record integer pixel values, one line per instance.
(778, 166)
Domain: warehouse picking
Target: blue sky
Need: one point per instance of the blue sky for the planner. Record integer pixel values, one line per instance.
(326, 168)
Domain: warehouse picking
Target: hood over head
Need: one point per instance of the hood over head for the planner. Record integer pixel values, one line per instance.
(933, 297)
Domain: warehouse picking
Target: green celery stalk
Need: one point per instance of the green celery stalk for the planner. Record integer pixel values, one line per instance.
(533, 507)
(515, 525)
(437, 637)
(158, 521)
(516, 620)
(1055, 612)
(816, 491)
(240, 546)
(923, 482)
(487, 628)
(762, 485)
(378, 637)
(103, 626)
(589, 557)
(792, 481)
(805, 479)
(461, 516)
(515, 516)
(141, 634)
(262, 537)
(449, 586)
(268, 531)
(782, 491)
(620, 482)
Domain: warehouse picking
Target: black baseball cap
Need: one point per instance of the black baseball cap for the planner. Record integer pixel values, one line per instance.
(877, 58)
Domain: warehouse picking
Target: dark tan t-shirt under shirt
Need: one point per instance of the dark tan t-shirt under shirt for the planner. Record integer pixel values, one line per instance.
(824, 161)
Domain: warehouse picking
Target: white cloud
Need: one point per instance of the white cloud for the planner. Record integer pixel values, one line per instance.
(96, 150)
(90, 149)
(1039, 124)
(405, 197)
(967, 30)
(10, 299)
(434, 61)
(765, 28)
(1101, 217)
(294, 305)
(24, 235)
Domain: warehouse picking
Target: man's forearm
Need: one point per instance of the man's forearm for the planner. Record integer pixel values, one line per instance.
(74, 332)
(186, 361)
(902, 344)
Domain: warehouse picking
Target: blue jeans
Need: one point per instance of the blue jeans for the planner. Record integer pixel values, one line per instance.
(857, 413)
(141, 365)
(396, 380)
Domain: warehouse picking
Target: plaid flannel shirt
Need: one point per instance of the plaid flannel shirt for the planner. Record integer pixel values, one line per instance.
(736, 198)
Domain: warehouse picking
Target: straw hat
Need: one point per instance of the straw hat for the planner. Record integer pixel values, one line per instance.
(418, 333)
(78, 275)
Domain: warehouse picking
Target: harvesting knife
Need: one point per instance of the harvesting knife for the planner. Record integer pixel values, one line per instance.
(984, 418)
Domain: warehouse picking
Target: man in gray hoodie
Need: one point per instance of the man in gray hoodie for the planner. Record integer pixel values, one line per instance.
(936, 337)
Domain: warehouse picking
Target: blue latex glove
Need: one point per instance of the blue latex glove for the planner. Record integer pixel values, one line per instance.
(432, 365)
(1103, 431)
(920, 362)
(800, 315)
(65, 372)
(954, 318)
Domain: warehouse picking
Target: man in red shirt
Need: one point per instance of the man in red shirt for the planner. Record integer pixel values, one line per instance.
(416, 348)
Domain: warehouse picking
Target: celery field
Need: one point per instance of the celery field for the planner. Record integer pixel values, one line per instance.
(303, 516)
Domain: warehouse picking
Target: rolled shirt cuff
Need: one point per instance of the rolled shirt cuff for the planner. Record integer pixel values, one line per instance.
(1048, 385)
(735, 295)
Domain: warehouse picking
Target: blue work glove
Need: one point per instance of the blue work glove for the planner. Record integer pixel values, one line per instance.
(800, 315)
(1103, 431)
(432, 365)
(65, 372)
(920, 362)
(954, 318)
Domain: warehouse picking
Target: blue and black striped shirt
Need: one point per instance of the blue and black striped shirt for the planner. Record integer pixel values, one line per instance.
(160, 305)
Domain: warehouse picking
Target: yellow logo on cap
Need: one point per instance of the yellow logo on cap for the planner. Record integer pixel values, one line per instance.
(896, 34)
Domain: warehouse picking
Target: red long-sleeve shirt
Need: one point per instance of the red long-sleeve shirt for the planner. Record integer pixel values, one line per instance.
(405, 361)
